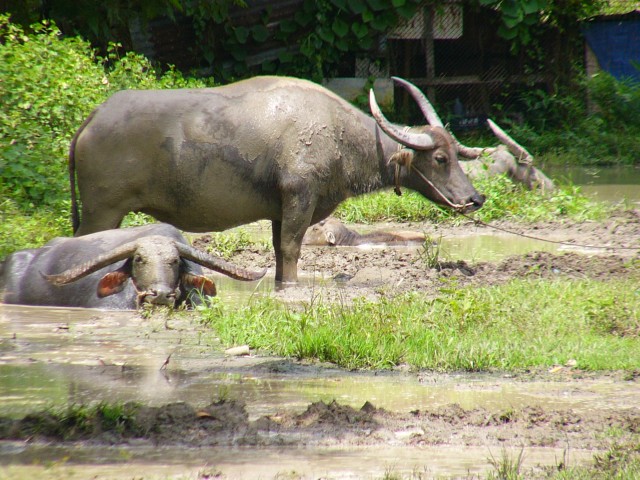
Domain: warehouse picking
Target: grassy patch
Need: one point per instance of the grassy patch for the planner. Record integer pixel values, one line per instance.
(225, 244)
(525, 323)
(505, 201)
(20, 229)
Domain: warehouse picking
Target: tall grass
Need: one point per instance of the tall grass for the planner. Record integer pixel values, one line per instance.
(525, 323)
(505, 200)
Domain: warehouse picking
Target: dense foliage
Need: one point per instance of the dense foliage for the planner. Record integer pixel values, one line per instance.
(320, 29)
(596, 122)
(311, 44)
(520, 18)
(48, 85)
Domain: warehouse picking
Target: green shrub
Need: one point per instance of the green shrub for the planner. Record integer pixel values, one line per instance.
(48, 85)
(597, 123)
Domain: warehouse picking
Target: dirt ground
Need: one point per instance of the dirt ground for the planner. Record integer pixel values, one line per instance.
(372, 273)
(375, 272)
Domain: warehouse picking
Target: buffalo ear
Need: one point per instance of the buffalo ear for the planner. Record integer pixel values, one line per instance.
(111, 283)
(200, 283)
(331, 238)
(403, 157)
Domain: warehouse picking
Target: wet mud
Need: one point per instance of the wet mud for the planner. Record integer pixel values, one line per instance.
(227, 423)
(188, 407)
(596, 250)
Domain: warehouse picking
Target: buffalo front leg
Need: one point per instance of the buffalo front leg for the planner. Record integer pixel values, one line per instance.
(287, 240)
(287, 250)
(276, 228)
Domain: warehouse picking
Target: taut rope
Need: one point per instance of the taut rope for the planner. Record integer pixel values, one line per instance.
(459, 210)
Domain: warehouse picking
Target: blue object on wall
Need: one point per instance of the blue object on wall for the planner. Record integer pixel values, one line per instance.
(616, 44)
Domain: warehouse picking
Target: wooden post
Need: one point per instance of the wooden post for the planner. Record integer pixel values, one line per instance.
(429, 54)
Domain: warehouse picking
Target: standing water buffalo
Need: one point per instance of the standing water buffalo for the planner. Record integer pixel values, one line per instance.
(274, 148)
(93, 271)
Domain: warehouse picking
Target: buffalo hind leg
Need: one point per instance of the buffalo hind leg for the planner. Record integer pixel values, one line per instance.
(91, 222)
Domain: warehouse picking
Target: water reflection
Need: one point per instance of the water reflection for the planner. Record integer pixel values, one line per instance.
(117, 356)
(607, 184)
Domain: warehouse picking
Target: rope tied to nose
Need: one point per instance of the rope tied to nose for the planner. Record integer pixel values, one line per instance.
(459, 208)
(403, 158)
(547, 240)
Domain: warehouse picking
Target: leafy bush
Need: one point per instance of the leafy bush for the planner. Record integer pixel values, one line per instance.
(563, 128)
(48, 85)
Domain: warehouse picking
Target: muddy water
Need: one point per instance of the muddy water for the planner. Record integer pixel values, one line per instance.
(53, 357)
(269, 463)
(610, 184)
(58, 357)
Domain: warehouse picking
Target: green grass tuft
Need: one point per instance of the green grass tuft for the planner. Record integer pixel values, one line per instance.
(522, 324)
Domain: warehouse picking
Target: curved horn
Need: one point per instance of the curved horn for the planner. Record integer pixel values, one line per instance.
(434, 119)
(521, 154)
(473, 152)
(423, 102)
(87, 268)
(217, 264)
(422, 141)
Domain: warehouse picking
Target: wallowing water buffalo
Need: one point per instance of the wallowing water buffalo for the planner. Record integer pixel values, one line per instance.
(274, 148)
(114, 269)
(332, 232)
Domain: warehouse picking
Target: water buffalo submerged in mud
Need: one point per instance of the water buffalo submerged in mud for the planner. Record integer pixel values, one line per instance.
(94, 271)
(274, 148)
(332, 232)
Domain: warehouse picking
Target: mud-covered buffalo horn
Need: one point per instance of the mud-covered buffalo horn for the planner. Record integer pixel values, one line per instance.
(417, 141)
(521, 153)
(217, 264)
(87, 268)
(434, 119)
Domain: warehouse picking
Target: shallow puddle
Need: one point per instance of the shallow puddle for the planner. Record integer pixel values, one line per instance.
(58, 357)
(269, 463)
(608, 184)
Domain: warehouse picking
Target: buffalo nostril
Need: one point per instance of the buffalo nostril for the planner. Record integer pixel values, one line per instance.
(160, 296)
(478, 200)
(474, 202)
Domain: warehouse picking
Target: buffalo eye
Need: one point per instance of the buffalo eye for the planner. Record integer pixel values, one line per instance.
(441, 157)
